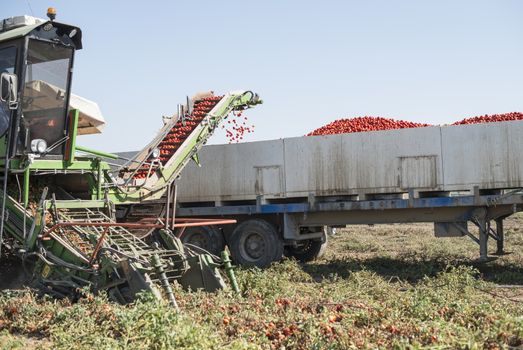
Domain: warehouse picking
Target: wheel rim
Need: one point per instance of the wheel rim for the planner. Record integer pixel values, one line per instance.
(252, 246)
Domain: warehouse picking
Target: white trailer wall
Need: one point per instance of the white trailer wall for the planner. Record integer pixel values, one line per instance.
(234, 172)
(484, 155)
(360, 163)
(446, 158)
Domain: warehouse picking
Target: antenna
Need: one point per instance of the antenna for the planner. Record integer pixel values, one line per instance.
(30, 8)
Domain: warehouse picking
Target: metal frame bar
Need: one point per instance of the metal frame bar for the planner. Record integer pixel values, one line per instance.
(26, 188)
(70, 147)
(467, 233)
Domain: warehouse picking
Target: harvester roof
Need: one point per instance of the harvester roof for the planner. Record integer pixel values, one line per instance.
(20, 26)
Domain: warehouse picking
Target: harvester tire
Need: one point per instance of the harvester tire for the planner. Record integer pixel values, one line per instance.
(255, 243)
(205, 237)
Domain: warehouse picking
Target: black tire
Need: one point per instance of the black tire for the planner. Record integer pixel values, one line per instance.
(205, 237)
(307, 250)
(255, 243)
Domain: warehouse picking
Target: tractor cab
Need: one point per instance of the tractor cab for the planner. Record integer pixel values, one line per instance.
(36, 61)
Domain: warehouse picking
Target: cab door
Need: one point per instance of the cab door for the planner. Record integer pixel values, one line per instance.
(8, 64)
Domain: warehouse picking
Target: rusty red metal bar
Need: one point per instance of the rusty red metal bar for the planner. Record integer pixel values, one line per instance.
(185, 222)
(203, 221)
(98, 245)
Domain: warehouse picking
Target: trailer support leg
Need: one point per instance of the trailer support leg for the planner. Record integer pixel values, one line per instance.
(500, 242)
(483, 239)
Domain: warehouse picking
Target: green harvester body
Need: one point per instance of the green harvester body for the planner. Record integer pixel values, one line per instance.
(59, 199)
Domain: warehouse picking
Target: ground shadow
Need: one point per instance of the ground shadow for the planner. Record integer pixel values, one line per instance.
(413, 271)
(13, 273)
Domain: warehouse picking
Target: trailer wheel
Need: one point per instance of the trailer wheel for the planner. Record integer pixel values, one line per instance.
(308, 250)
(256, 243)
(205, 237)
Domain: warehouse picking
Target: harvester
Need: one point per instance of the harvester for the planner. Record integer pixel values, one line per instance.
(59, 201)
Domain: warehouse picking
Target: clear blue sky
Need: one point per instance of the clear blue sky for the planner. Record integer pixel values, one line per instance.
(311, 61)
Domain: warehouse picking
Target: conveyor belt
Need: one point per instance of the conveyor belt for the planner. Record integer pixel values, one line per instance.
(147, 175)
(177, 135)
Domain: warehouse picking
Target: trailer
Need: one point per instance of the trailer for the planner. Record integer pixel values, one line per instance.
(283, 193)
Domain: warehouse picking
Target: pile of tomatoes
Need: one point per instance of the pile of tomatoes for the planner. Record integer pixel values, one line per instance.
(363, 124)
(491, 118)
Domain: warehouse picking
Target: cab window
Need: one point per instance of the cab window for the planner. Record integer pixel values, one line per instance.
(45, 92)
(7, 59)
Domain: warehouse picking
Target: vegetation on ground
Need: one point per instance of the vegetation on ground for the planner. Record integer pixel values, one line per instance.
(389, 286)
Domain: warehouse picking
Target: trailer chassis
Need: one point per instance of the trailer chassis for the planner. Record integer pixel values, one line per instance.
(450, 214)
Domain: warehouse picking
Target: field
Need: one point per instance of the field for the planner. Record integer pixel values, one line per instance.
(388, 286)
